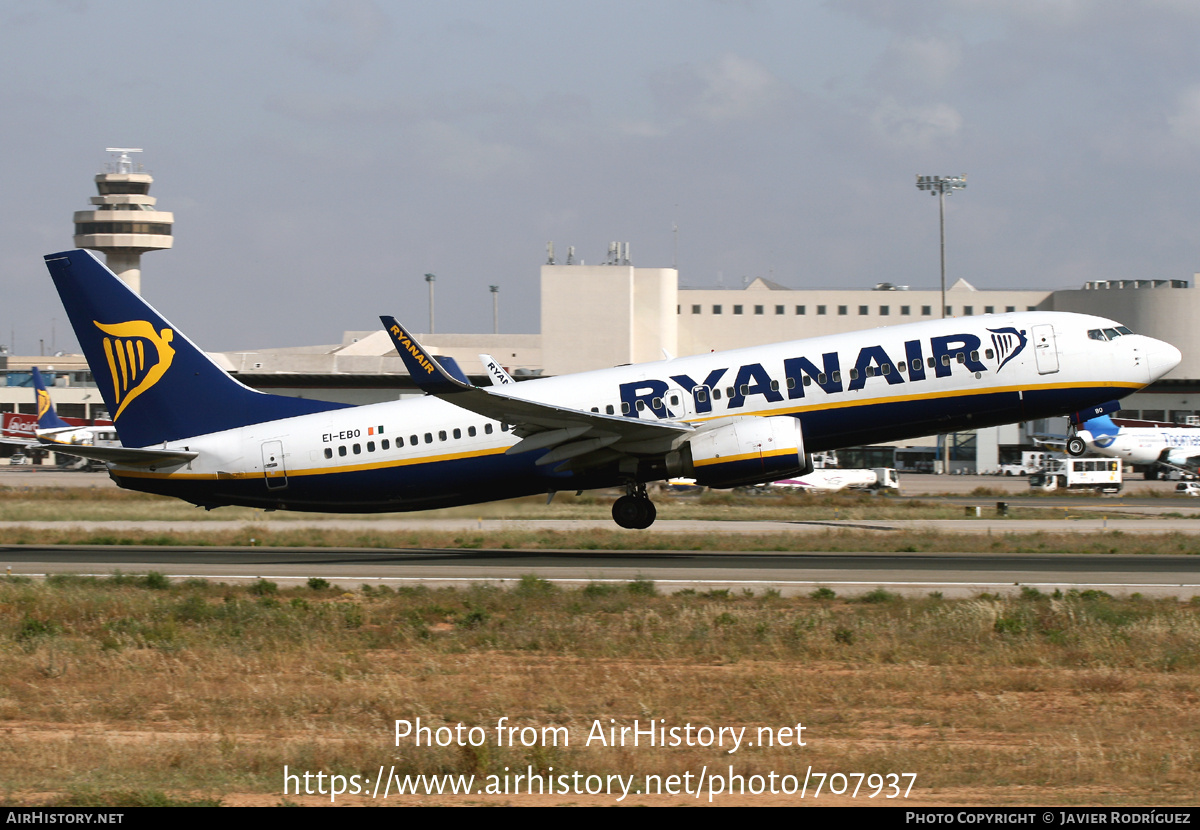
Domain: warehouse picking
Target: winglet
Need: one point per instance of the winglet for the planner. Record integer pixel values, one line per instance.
(429, 375)
(495, 371)
(47, 417)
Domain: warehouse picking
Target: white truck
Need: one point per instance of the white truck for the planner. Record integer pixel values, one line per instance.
(1103, 474)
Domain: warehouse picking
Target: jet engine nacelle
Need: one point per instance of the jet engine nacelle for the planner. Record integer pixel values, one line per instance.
(749, 451)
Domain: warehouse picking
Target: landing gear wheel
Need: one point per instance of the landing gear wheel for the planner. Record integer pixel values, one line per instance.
(634, 512)
(1076, 446)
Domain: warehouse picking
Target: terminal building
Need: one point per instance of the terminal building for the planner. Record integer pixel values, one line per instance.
(596, 316)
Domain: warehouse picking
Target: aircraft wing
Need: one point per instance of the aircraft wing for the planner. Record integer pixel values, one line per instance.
(569, 433)
(126, 456)
(1050, 442)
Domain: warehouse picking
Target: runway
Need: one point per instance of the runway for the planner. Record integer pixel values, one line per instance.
(954, 575)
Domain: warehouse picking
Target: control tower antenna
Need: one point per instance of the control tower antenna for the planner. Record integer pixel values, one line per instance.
(124, 222)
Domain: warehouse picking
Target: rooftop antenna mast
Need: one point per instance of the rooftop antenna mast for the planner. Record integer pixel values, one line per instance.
(123, 164)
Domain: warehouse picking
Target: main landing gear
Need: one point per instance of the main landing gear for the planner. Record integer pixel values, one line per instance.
(634, 510)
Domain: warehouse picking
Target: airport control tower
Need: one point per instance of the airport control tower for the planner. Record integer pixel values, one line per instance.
(124, 223)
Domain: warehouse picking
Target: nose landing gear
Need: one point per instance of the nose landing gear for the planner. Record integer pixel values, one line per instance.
(634, 510)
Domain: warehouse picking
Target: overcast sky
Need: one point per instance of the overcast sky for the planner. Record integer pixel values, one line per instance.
(321, 157)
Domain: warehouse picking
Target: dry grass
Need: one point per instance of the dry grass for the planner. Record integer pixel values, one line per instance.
(51, 504)
(828, 540)
(132, 686)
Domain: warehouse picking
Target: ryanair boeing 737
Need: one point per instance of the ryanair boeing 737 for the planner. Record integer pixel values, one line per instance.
(726, 419)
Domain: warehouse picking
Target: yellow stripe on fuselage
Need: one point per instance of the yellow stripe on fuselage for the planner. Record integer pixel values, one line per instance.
(317, 471)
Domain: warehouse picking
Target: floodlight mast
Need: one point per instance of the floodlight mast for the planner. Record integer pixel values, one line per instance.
(430, 279)
(941, 185)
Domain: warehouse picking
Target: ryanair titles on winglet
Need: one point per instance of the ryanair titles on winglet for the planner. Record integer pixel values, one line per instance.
(405, 341)
(872, 361)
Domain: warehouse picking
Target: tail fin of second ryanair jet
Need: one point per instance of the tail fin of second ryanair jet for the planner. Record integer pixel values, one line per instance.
(47, 418)
(157, 384)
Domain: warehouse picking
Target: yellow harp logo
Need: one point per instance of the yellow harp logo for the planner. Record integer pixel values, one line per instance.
(133, 371)
(43, 403)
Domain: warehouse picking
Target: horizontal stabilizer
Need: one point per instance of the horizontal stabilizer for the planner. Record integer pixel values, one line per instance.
(125, 456)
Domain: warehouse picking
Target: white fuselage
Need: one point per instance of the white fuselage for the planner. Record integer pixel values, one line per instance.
(847, 389)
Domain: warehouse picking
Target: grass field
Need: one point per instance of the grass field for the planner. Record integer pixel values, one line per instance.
(133, 690)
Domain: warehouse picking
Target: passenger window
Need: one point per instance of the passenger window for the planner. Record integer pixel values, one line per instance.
(412, 439)
(886, 368)
(716, 394)
(358, 449)
(774, 386)
(457, 434)
(933, 362)
(370, 446)
(641, 406)
(429, 438)
(609, 409)
(385, 444)
(870, 371)
(989, 354)
(596, 409)
(624, 407)
(674, 400)
(945, 360)
(471, 432)
(821, 378)
(808, 380)
(975, 355)
(487, 428)
(329, 452)
(853, 374)
(837, 377)
(729, 391)
(342, 450)
(701, 396)
(791, 383)
(441, 435)
(656, 403)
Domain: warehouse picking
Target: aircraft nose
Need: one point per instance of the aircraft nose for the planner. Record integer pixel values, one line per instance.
(1162, 357)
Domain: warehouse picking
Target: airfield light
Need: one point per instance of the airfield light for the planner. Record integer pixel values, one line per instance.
(941, 185)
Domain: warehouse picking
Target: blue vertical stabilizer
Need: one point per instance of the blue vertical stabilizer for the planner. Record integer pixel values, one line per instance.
(156, 383)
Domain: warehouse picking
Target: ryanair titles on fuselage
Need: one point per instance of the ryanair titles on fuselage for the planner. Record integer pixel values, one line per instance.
(922, 359)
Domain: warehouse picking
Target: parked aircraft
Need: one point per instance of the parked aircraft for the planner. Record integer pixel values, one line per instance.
(49, 428)
(746, 416)
(1177, 447)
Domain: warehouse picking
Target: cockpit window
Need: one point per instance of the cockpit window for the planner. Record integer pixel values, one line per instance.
(1108, 334)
